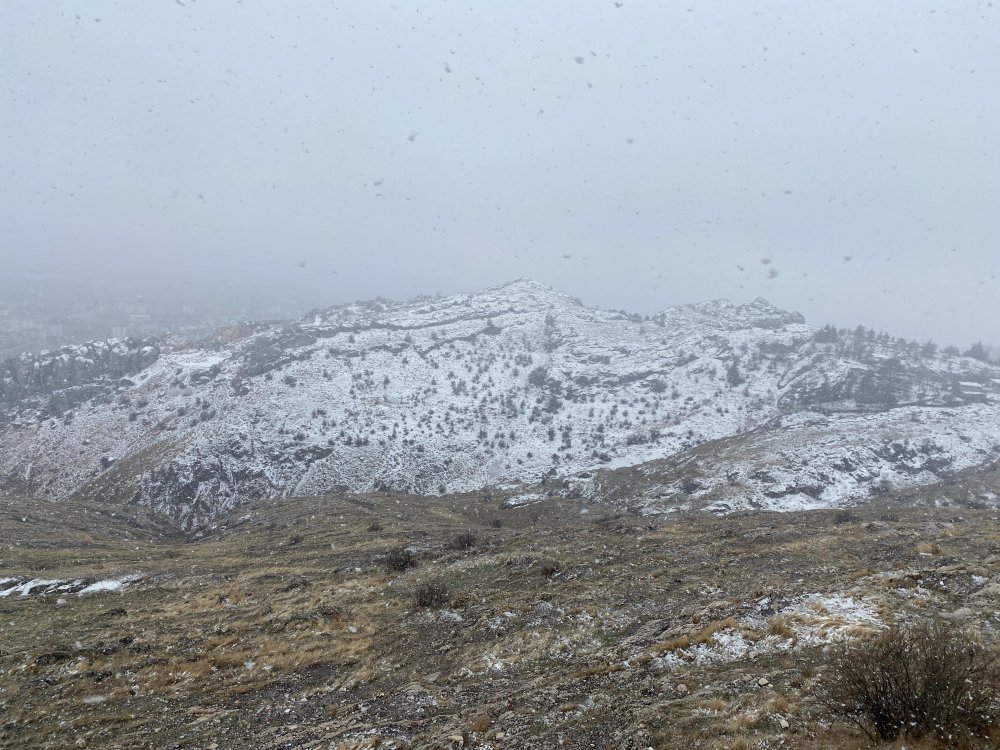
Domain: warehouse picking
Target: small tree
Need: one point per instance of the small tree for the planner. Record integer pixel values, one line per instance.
(826, 335)
(978, 351)
(733, 376)
(930, 679)
(538, 376)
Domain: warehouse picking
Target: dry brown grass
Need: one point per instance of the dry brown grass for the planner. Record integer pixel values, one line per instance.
(708, 632)
(704, 635)
(674, 644)
(481, 724)
(714, 704)
(779, 704)
(778, 626)
(230, 632)
(597, 670)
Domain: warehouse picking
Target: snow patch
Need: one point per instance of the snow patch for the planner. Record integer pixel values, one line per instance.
(111, 584)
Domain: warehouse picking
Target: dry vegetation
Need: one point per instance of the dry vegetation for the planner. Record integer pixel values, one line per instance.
(298, 625)
(922, 679)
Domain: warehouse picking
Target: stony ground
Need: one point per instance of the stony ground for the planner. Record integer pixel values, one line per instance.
(557, 624)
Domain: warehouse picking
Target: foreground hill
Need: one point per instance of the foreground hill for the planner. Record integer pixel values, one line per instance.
(519, 390)
(562, 624)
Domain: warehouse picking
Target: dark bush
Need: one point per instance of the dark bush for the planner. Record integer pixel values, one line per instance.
(297, 582)
(538, 376)
(845, 516)
(431, 595)
(463, 540)
(400, 559)
(549, 568)
(930, 679)
(691, 485)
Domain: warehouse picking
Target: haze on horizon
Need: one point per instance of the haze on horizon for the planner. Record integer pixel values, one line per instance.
(839, 159)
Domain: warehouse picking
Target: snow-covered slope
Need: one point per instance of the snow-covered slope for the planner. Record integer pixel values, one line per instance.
(809, 460)
(505, 387)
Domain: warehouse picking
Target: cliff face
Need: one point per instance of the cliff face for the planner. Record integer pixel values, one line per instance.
(51, 383)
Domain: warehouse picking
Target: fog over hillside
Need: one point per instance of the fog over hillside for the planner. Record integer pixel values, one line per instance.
(253, 160)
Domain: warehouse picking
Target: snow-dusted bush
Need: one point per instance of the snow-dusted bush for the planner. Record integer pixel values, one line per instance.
(431, 595)
(930, 679)
(462, 540)
(399, 560)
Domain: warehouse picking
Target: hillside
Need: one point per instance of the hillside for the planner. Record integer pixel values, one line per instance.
(518, 390)
(562, 624)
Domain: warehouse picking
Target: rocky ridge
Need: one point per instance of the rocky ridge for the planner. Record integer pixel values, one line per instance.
(518, 389)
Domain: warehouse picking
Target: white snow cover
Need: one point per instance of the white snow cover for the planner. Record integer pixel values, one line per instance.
(809, 460)
(111, 584)
(37, 585)
(41, 587)
(815, 619)
(498, 388)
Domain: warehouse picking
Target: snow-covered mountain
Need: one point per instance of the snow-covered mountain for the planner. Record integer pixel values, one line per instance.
(509, 388)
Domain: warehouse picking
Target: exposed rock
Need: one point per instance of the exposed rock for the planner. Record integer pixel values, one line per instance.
(958, 615)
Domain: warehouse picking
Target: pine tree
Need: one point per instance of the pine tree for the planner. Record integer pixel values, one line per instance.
(978, 351)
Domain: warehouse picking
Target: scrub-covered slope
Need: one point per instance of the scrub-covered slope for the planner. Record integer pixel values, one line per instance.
(503, 388)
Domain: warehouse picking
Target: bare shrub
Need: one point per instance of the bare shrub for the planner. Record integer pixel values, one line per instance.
(481, 724)
(845, 516)
(297, 582)
(779, 626)
(431, 594)
(399, 560)
(928, 680)
(549, 567)
(462, 540)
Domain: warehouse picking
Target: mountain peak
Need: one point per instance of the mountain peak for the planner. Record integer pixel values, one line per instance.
(524, 283)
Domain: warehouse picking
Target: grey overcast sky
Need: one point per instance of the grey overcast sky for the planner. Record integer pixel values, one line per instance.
(637, 154)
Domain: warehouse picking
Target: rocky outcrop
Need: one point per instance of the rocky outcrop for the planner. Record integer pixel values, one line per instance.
(52, 383)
